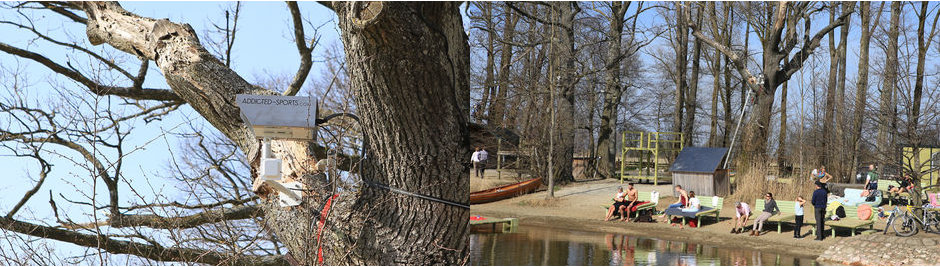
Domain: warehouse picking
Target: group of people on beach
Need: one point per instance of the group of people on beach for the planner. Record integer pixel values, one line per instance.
(625, 202)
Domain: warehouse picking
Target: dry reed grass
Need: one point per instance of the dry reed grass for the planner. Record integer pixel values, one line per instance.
(753, 184)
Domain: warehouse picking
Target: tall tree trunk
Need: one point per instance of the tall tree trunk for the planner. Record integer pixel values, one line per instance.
(913, 124)
(613, 90)
(489, 90)
(716, 89)
(887, 109)
(782, 137)
(728, 120)
(682, 51)
(498, 106)
(563, 78)
(692, 97)
(826, 154)
(861, 87)
(924, 39)
(840, 169)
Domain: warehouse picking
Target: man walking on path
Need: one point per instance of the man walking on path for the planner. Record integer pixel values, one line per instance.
(477, 166)
(819, 205)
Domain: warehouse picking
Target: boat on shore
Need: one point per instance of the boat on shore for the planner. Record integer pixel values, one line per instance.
(504, 192)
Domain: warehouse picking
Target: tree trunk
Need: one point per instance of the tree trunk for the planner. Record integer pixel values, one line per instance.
(417, 116)
(840, 170)
(716, 88)
(829, 109)
(418, 112)
(563, 77)
(887, 109)
(782, 137)
(861, 88)
(613, 91)
(728, 121)
(489, 90)
(498, 106)
(682, 51)
(692, 97)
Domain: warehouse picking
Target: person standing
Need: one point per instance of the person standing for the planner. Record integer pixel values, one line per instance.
(770, 208)
(475, 158)
(798, 210)
(871, 183)
(819, 206)
(483, 158)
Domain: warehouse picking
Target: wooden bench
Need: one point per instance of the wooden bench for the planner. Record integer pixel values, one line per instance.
(641, 196)
(851, 221)
(787, 212)
(706, 201)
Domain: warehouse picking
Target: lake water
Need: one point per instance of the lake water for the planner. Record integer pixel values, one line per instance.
(547, 246)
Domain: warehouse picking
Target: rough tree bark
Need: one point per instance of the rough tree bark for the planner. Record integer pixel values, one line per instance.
(409, 65)
(613, 90)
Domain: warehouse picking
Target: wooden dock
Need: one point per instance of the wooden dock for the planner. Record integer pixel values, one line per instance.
(507, 225)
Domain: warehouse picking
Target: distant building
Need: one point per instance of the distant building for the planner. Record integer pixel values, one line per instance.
(697, 169)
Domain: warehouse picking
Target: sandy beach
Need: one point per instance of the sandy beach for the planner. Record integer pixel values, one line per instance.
(579, 205)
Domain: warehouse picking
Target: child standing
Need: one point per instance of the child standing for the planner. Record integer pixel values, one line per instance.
(798, 210)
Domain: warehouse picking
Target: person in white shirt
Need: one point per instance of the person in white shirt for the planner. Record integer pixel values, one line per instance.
(694, 204)
(475, 158)
(741, 212)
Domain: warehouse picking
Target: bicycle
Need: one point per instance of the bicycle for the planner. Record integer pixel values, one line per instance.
(891, 218)
(909, 223)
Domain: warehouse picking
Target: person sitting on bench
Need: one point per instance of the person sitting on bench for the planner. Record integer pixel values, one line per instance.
(632, 200)
(770, 208)
(619, 201)
(905, 186)
(694, 205)
(742, 212)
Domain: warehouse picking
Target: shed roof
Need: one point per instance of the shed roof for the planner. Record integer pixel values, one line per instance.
(699, 159)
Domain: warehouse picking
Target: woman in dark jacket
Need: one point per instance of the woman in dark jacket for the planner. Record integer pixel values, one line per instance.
(770, 208)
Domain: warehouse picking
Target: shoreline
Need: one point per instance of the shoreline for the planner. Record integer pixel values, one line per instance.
(665, 232)
(578, 206)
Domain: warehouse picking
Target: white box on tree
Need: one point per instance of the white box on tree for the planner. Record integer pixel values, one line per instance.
(271, 169)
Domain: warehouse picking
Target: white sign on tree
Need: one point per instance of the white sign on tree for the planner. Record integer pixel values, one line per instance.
(279, 117)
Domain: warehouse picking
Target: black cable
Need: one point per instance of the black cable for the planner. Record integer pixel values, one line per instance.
(365, 145)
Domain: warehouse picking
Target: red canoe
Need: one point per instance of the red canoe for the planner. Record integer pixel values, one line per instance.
(504, 192)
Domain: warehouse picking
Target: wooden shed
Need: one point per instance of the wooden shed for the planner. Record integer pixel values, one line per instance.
(697, 169)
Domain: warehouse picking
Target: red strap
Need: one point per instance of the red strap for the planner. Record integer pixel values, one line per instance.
(321, 224)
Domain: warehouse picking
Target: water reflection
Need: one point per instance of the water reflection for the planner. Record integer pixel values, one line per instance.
(544, 246)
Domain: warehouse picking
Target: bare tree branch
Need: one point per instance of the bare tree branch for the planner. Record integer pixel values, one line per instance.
(128, 92)
(147, 251)
(182, 222)
(306, 60)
